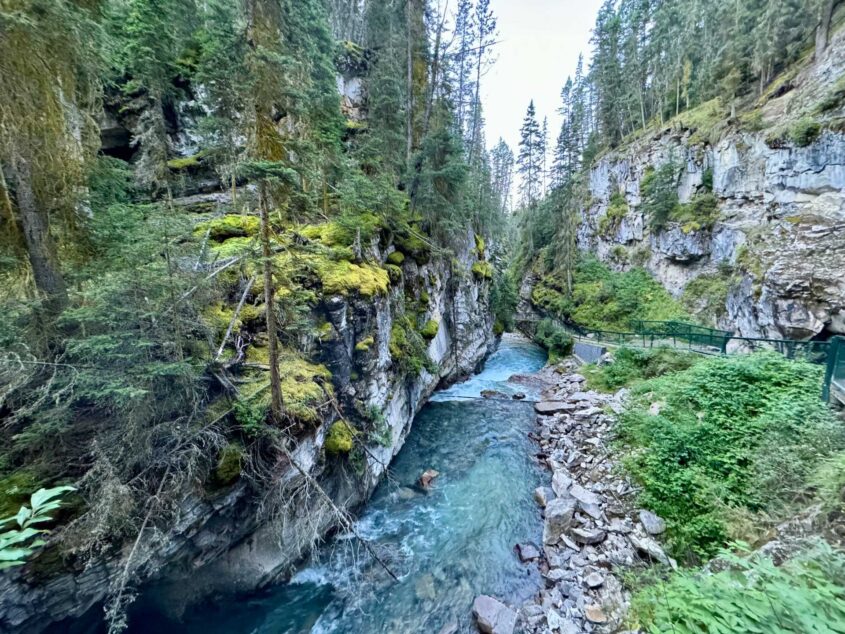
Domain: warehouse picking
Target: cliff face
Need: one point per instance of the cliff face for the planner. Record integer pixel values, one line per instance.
(781, 224)
(244, 537)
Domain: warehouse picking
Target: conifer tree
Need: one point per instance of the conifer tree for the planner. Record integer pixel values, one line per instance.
(530, 160)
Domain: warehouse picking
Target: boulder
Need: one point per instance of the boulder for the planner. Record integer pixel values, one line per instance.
(559, 513)
(547, 408)
(653, 524)
(519, 396)
(543, 495)
(595, 614)
(583, 495)
(427, 478)
(594, 580)
(588, 536)
(492, 616)
(493, 394)
(527, 552)
(647, 546)
(561, 483)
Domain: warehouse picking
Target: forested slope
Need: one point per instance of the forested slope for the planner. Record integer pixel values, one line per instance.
(242, 243)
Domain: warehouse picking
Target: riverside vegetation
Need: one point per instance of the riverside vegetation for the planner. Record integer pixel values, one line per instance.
(192, 192)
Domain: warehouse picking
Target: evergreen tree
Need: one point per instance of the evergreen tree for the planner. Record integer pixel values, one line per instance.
(530, 160)
(502, 165)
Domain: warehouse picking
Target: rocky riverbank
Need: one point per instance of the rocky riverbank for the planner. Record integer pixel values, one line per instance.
(593, 531)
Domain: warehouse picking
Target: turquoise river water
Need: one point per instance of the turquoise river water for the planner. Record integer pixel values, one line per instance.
(447, 545)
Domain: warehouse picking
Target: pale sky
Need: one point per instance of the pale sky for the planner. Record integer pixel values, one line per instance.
(539, 45)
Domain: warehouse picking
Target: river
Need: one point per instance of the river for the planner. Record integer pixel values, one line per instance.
(447, 545)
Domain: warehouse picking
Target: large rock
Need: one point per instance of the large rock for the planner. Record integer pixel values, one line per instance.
(559, 514)
(653, 524)
(547, 408)
(492, 616)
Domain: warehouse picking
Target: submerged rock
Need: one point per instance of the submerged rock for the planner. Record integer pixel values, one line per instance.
(493, 394)
(427, 478)
(542, 495)
(493, 616)
(527, 552)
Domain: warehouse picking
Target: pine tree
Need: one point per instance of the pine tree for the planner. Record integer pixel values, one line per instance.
(502, 164)
(530, 160)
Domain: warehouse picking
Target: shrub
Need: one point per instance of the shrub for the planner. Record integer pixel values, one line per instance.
(805, 594)
(804, 131)
(733, 434)
(554, 339)
(604, 299)
(616, 211)
(632, 365)
(407, 347)
(707, 296)
(659, 191)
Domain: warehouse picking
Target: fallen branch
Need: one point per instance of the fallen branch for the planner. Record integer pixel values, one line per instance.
(234, 318)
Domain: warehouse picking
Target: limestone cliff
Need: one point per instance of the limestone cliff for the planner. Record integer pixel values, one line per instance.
(778, 235)
(243, 537)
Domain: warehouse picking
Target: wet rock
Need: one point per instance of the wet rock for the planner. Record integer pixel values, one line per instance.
(492, 616)
(519, 396)
(588, 536)
(493, 394)
(547, 408)
(559, 513)
(543, 495)
(653, 524)
(527, 552)
(406, 493)
(427, 478)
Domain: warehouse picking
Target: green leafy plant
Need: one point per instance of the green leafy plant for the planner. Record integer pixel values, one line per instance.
(554, 339)
(17, 544)
(632, 365)
(750, 594)
(728, 437)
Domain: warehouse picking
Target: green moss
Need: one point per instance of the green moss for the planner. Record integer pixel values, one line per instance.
(229, 226)
(229, 463)
(482, 270)
(301, 392)
(429, 331)
(340, 439)
(498, 328)
(480, 247)
(365, 344)
(407, 347)
(343, 231)
(394, 273)
(804, 131)
(703, 121)
(396, 258)
(325, 332)
(234, 247)
(424, 298)
(616, 211)
(412, 245)
(834, 98)
(343, 278)
(187, 162)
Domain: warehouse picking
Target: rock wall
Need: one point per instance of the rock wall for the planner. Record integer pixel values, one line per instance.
(781, 225)
(241, 538)
(780, 232)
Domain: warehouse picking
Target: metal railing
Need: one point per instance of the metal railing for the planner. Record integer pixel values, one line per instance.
(703, 340)
(834, 377)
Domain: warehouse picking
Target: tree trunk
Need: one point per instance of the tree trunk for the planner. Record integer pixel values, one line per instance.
(276, 402)
(39, 243)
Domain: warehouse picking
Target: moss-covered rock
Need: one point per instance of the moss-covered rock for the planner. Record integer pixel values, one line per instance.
(229, 226)
(480, 246)
(482, 270)
(340, 439)
(229, 463)
(396, 258)
(343, 278)
(185, 163)
(364, 345)
(394, 273)
(304, 384)
(412, 245)
(429, 331)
